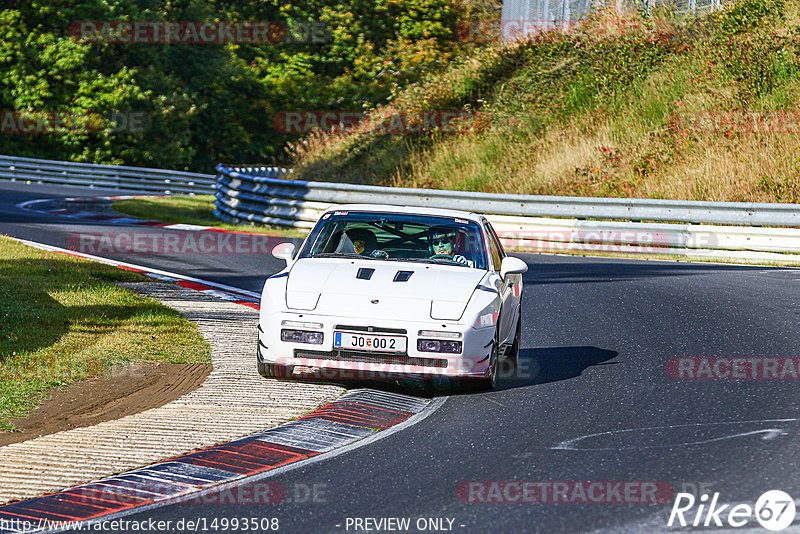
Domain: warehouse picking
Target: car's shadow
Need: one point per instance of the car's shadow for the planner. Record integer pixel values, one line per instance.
(535, 366)
(551, 364)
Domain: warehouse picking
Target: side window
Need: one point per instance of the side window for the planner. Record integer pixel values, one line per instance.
(497, 240)
(495, 247)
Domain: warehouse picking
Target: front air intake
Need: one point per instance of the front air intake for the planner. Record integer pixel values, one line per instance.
(364, 273)
(403, 276)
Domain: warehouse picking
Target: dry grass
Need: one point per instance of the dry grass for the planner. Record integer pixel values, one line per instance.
(732, 170)
(638, 138)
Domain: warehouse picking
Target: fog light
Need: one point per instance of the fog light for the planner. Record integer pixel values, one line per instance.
(428, 345)
(302, 336)
(315, 338)
(435, 345)
(452, 347)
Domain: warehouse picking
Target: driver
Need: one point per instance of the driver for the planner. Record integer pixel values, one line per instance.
(442, 242)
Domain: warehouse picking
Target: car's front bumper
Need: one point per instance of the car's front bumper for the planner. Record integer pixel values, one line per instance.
(472, 362)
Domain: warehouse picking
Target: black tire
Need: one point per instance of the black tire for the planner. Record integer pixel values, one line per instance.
(472, 385)
(490, 381)
(512, 355)
(274, 370)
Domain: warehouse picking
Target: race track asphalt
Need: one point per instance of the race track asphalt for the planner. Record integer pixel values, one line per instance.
(592, 403)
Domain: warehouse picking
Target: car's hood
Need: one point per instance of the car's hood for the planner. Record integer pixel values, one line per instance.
(332, 286)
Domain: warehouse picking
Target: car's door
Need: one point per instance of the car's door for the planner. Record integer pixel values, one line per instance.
(509, 289)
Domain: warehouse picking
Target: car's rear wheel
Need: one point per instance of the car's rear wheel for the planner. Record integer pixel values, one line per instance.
(513, 353)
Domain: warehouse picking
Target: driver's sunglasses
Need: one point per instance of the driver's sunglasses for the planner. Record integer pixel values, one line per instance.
(441, 241)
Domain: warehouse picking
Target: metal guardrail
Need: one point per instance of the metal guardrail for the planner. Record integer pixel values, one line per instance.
(558, 235)
(537, 223)
(257, 194)
(110, 176)
(262, 195)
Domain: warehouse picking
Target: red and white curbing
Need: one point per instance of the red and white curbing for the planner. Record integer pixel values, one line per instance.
(222, 291)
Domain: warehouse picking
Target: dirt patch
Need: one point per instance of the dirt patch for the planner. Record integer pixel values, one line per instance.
(122, 391)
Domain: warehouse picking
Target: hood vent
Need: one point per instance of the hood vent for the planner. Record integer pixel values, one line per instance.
(364, 273)
(403, 276)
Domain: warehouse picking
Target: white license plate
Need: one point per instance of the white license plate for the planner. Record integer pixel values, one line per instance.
(350, 341)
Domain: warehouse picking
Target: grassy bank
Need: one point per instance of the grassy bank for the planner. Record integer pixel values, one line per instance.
(197, 209)
(63, 319)
(621, 106)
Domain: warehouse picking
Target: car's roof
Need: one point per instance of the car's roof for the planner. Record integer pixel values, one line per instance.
(383, 208)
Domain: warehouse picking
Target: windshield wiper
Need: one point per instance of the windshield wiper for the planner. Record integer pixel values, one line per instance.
(437, 261)
(341, 255)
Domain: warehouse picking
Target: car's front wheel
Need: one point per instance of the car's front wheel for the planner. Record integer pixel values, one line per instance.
(470, 385)
(274, 370)
(490, 380)
(513, 352)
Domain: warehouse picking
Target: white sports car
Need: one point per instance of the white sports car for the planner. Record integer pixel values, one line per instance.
(386, 291)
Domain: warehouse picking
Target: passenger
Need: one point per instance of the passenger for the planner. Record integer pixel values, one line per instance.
(364, 241)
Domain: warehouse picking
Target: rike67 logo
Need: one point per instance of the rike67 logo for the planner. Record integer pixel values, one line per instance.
(774, 510)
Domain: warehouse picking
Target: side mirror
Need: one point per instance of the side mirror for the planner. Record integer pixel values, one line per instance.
(284, 251)
(512, 266)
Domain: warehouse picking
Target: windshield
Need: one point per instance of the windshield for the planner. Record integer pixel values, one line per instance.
(397, 237)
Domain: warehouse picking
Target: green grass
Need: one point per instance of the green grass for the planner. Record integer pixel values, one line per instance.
(64, 319)
(196, 209)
